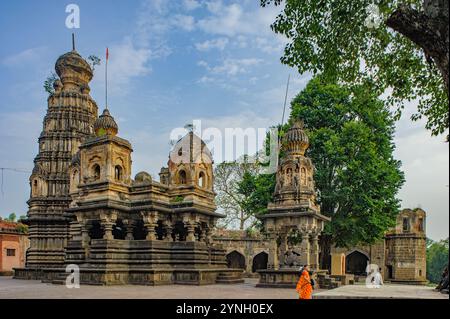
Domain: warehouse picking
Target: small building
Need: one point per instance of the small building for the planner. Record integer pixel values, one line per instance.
(13, 246)
(401, 254)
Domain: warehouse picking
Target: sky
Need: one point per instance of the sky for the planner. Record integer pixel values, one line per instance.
(173, 62)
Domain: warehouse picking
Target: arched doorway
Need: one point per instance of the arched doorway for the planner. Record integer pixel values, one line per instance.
(260, 261)
(356, 263)
(235, 260)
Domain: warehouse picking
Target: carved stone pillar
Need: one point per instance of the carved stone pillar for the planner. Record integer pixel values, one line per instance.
(315, 250)
(283, 248)
(305, 248)
(107, 221)
(150, 223)
(190, 226)
(273, 262)
(208, 235)
(168, 228)
(129, 227)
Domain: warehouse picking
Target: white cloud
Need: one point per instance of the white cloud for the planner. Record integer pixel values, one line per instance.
(233, 20)
(24, 57)
(126, 62)
(219, 43)
(191, 4)
(232, 67)
(184, 22)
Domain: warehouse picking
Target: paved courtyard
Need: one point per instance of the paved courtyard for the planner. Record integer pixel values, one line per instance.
(386, 291)
(22, 289)
(13, 288)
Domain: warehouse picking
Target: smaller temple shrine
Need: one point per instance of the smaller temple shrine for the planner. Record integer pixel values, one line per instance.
(293, 222)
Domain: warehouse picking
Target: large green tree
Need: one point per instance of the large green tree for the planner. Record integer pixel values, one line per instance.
(242, 190)
(437, 259)
(351, 146)
(400, 46)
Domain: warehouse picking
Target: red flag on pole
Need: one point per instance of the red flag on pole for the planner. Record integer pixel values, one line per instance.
(107, 54)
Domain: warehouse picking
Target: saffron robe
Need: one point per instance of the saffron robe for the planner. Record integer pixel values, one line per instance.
(304, 287)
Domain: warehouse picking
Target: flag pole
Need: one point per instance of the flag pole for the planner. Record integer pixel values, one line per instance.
(285, 99)
(106, 79)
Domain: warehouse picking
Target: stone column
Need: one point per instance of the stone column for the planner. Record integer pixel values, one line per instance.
(150, 223)
(273, 262)
(315, 250)
(282, 249)
(208, 235)
(305, 248)
(190, 231)
(168, 230)
(85, 238)
(107, 220)
(129, 227)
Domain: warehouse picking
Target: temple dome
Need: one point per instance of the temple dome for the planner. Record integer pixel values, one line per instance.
(190, 149)
(296, 141)
(73, 69)
(105, 124)
(143, 177)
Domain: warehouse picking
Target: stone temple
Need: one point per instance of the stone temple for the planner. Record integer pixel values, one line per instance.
(85, 209)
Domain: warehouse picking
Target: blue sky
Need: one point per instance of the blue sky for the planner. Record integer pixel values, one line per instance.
(172, 62)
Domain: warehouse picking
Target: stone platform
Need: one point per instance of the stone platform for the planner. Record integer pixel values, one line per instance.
(140, 262)
(387, 291)
(282, 278)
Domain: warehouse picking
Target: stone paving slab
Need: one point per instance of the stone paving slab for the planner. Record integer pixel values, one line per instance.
(389, 291)
(34, 289)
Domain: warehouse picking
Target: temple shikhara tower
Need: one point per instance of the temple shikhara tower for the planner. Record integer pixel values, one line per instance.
(293, 222)
(86, 209)
(69, 121)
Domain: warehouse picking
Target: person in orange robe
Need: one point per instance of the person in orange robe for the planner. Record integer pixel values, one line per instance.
(304, 287)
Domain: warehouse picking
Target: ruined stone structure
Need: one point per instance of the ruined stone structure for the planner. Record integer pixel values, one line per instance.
(293, 222)
(401, 254)
(249, 253)
(85, 208)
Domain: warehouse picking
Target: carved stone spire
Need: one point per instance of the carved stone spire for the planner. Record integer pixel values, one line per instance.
(69, 121)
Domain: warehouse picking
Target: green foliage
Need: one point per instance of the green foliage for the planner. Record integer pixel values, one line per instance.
(351, 146)
(22, 228)
(12, 217)
(48, 84)
(242, 191)
(177, 199)
(437, 259)
(93, 61)
(333, 38)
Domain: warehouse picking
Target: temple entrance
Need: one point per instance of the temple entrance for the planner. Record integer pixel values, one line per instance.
(356, 263)
(235, 260)
(260, 261)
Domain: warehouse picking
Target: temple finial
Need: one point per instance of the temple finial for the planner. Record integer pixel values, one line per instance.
(73, 41)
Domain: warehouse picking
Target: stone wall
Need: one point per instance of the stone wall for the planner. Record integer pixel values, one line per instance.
(251, 248)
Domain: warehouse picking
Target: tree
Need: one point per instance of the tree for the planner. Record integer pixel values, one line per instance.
(93, 61)
(351, 146)
(48, 84)
(242, 192)
(12, 217)
(437, 259)
(401, 47)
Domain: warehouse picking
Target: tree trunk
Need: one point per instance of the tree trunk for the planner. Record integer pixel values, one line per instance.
(428, 29)
(325, 252)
